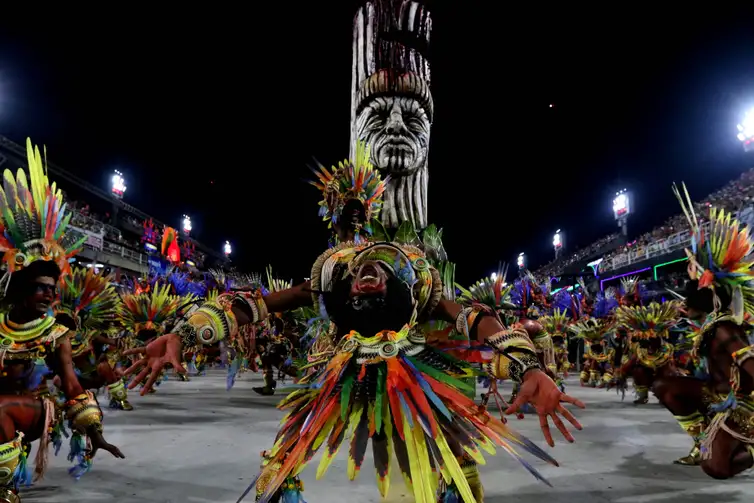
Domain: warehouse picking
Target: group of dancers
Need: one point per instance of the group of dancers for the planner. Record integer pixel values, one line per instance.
(381, 346)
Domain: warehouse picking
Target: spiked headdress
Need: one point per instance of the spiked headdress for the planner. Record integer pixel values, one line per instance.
(719, 256)
(555, 324)
(354, 179)
(648, 322)
(492, 292)
(33, 219)
(89, 298)
(592, 330)
(148, 311)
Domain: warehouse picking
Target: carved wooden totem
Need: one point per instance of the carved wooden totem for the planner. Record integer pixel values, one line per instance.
(391, 102)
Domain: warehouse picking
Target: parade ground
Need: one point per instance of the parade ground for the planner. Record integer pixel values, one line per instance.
(193, 442)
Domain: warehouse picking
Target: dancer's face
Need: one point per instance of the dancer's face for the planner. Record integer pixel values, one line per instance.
(41, 294)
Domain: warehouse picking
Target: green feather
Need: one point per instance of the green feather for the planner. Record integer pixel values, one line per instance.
(345, 395)
(379, 399)
(439, 375)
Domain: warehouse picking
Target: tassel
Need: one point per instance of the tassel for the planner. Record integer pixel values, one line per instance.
(78, 455)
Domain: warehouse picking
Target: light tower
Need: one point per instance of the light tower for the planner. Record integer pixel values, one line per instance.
(557, 243)
(521, 261)
(622, 209)
(746, 131)
(118, 185)
(227, 249)
(186, 225)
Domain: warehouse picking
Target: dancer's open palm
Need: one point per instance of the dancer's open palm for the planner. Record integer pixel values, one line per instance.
(163, 351)
(542, 392)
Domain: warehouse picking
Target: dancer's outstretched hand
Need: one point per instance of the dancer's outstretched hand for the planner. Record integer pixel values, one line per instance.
(165, 350)
(539, 390)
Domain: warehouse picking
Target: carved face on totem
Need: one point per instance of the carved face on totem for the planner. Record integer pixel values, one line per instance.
(397, 129)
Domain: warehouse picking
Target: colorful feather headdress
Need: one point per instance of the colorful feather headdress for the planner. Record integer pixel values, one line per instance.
(592, 329)
(719, 258)
(33, 219)
(555, 324)
(89, 298)
(353, 179)
(148, 311)
(648, 322)
(274, 284)
(492, 292)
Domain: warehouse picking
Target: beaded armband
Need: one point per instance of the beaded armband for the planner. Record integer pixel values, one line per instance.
(743, 354)
(83, 412)
(519, 352)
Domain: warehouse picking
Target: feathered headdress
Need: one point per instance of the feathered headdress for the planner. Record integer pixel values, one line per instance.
(648, 322)
(148, 311)
(352, 180)
(170, 247)
(592, 329)
(718, 258)
(33, 219)
(555, 324)
(631, 288)
(274, 284)
(492, 292)
(89, 298)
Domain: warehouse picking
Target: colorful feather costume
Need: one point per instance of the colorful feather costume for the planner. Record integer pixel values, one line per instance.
(352, 180)
(391, 388)
(33, 219)
(648, 322)
(149, 311)
(92, 302)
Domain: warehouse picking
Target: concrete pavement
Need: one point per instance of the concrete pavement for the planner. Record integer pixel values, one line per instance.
(194, 443)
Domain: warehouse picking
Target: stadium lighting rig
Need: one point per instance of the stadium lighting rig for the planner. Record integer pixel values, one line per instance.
(557, 242)
(521, 261)
(187, 225)
(227, 249)
(622, 209)
(746, 131)
(118, 185)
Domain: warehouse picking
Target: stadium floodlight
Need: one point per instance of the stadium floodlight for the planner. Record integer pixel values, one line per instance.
(521, 260)
(227, 249)
(118, 185)
(746, 131)
(187, 224)
(557, 242)
(622, 209)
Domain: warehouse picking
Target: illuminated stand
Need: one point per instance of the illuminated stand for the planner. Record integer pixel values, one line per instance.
(595, 265)
(521, 261)
(557, 243)
(118, 186)
(622, 209)
(746, 131)
(632, 273)
(227, 249)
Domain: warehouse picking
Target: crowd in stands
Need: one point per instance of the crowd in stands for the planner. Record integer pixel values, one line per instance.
(734, 196)
(83, 217)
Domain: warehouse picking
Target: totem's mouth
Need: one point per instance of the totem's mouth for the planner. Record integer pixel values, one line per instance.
(397, 155)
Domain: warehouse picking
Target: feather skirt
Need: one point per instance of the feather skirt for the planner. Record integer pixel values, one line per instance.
(408, 401)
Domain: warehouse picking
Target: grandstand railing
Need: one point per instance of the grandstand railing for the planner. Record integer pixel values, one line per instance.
(670, 244)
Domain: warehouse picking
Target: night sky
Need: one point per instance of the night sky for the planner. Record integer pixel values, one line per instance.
(216, 114)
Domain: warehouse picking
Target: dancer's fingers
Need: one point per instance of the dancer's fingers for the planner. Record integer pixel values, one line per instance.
(135, 351)
(575, 401)
(150, 382)
(139, 378)
(134, 366)
(569, 417)
(546, 430)
(561, 427)
(521, 400)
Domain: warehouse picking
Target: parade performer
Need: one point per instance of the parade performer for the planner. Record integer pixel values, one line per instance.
(555, 325)
(650, 352)
(384, 383)
(144, 316)
(716, 409)
(88, 304)
(36, 245)
(597, 370)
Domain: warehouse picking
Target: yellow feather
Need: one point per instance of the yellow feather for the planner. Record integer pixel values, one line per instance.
(456, 473)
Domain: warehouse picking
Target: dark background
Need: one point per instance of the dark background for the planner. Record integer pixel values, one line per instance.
(216, 114)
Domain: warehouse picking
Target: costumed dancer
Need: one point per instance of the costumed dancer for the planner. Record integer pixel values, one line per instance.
(145, 315)
(383, 383)
(556, 327)
(37, 245)
(597, 369)
(716, 407)
(88, 305)
(650, 351)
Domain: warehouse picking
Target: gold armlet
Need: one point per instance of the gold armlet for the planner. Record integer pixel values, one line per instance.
(83, 412)
(521, 355)
(212, 322)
